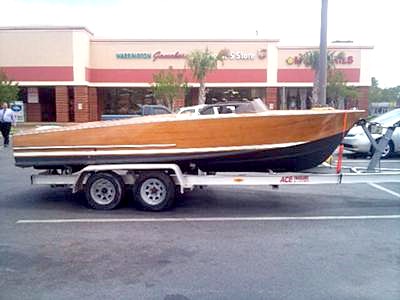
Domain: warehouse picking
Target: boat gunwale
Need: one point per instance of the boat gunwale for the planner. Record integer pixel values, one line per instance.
(155, 119)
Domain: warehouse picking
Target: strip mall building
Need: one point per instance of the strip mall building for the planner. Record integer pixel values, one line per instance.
(68, 75)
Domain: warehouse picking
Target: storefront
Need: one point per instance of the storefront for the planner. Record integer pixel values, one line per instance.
(296, 78)
(67, 75)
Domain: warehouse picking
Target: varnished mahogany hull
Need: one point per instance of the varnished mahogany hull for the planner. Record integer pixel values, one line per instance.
(294, 158)
(276, 140)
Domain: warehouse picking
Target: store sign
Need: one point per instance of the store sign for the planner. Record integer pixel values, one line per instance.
(262, 53)
(340, 59)
(234, 55)
(240, 55)
(18, 109)
(133, 55)
(148, 55)
(33, 95)
(175, 55)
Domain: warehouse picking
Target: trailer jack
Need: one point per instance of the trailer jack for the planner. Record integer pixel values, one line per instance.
(378, 147)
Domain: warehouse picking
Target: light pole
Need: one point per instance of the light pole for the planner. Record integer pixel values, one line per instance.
(323, 54)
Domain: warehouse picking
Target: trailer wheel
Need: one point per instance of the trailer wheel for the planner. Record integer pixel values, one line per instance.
(104, 191)
(154, 191)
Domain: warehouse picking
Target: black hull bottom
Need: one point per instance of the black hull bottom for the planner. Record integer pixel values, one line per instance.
(294, 158)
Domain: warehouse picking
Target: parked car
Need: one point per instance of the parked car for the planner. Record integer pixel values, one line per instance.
(145, 110)
(357, 141)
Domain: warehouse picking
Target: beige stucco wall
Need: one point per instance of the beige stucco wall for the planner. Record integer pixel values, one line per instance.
(76, 47)
(35, 48)
(366, 67)
(103, 53)
(81, 55)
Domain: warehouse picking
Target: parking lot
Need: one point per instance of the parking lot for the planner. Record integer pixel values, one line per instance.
(297, 242)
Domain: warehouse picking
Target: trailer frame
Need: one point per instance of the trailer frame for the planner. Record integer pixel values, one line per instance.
(154, 185)
(128, 174)
(184, 181)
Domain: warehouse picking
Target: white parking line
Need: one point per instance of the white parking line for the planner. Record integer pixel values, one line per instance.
(368, 160)
(377, 186)
(207, 219)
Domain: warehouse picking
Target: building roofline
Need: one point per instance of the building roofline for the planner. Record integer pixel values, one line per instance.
(186, 40)
(333, 46)
(45, 28)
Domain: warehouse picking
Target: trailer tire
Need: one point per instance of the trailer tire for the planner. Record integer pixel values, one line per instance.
(154, 191)
(104, 191)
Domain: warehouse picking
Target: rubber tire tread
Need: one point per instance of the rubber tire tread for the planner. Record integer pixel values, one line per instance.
(170, 187)
(390, 154)
(118, 183)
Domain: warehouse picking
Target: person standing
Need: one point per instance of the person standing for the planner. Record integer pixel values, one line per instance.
(7, 119)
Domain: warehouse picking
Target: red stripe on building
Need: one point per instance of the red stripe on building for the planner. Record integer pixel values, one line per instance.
(146, 75)
(238, 75)
(39, 73)
(307, 75)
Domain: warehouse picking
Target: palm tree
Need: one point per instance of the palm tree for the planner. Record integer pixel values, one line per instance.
(311, 59)
(201, 63)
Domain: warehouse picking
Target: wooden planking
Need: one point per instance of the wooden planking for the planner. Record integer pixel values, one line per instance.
(238, 130)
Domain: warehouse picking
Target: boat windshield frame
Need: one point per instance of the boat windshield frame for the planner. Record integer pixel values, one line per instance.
(254, 106)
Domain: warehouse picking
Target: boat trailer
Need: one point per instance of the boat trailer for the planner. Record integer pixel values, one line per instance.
(154, 186)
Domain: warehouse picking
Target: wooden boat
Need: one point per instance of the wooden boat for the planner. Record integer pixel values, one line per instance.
(249, 141)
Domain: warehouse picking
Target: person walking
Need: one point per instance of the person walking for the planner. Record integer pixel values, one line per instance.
(7, 119)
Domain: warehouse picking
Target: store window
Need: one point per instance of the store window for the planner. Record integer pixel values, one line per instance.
(234, 94)
(71, 106)
(295, 98)
(23, 94)
(124, 101)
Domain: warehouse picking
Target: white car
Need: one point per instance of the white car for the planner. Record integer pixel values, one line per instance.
(357, 141)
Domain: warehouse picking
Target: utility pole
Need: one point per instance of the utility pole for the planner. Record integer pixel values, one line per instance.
(323, 54)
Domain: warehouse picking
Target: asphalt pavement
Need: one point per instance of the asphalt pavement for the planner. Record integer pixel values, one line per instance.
(296, 242)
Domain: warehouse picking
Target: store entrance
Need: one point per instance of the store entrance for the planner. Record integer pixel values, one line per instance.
(47, 100)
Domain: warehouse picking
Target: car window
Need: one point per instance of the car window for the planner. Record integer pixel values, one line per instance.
(160, 111)
(145, 111)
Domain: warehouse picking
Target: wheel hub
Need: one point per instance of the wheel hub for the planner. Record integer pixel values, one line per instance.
(103, 192)
(153, 191)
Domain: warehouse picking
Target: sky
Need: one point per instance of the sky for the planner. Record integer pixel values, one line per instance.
(293, 22)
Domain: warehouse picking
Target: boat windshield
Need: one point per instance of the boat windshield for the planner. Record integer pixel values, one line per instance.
(255, 106)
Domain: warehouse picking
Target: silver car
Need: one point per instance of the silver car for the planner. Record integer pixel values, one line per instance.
(357, 141)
